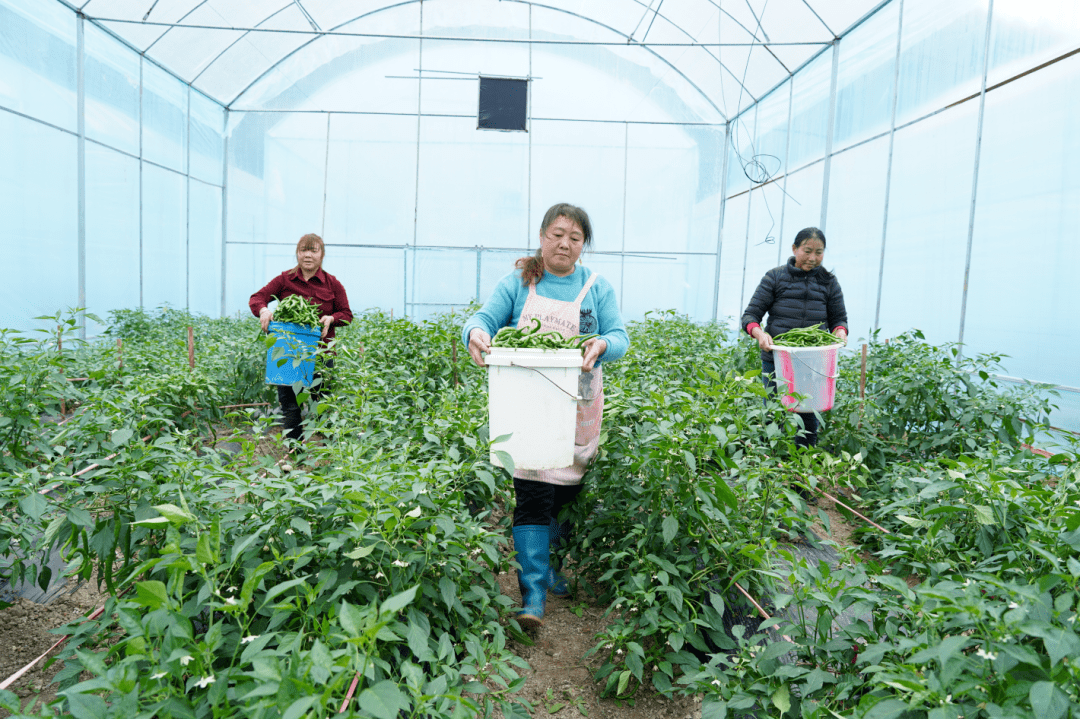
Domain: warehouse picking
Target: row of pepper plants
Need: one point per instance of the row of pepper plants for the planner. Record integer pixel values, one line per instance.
(243, 585)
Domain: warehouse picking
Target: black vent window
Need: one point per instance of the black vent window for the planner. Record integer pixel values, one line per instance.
(504, 104)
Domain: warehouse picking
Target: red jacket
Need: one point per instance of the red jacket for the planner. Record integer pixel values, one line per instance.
(323, 288)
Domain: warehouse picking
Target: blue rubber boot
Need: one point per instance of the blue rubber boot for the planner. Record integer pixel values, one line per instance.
(557, 536)
(531, 545)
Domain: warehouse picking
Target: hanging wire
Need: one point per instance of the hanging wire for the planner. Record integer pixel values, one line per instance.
(759, 168)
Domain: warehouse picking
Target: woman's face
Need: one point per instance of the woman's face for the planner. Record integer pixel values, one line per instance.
(309, 258)
(561, 244)
(808, 255)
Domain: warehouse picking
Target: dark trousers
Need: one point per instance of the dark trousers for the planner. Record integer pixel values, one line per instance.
(290, 409)
(540, 502)
(808, 438)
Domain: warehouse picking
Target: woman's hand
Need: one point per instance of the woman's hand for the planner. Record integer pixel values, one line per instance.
(266, 315)
(763, 338)
(593, 349)
(841, 333)
(479, 343)
(326, 320)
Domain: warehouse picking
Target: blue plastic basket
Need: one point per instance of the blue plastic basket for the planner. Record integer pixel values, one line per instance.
(298, 344)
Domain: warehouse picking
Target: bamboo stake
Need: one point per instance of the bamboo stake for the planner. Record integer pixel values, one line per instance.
(349, 695)
(853, 511)
(87, 469)
(60, 350)
(762, 612)
(191, 347)
(15, 677)
(120, 352)
(862, 375)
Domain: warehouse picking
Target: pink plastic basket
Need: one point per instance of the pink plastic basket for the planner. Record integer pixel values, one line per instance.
(806, 377)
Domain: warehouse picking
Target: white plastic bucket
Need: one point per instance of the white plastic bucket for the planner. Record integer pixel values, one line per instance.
(532, 397)
(807, 371)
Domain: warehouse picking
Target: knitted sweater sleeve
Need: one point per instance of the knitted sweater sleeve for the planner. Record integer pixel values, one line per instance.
(609, 319)
(497, 311)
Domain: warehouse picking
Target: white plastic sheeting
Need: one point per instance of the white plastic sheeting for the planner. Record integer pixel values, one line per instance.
(732, 52)
(171, 151)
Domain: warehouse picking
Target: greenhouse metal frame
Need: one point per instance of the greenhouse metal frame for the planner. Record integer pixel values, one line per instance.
(887, 124)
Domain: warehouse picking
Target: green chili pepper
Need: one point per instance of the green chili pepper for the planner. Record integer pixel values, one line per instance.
(532, 338)
(806, 337)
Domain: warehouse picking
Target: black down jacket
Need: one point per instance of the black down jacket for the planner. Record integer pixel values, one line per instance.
(796, 298)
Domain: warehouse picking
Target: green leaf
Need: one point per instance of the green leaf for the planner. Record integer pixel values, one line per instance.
(203, 552)
(398, 601)
(670, 529)
(487, 478)
(174, 514)
(351, 619)
(983, 514)
(299, 707)
(360, 552)
(121, 437)
(151, 594)
(1059, 642)
(1047, 701)
(726, 495)
(152, 520)
(384, 700)
(247, 590)
(774, 650)
(895, 583)
(417, 638)
(1074, 567)
(34, 505)
(86, 706)
(690, 461)
(505, 460)
(913, 521)
(624, 682)
(447, 590)
(887, 709)
(283, 587)
(80, 517)
(781, 698)
(713, 709)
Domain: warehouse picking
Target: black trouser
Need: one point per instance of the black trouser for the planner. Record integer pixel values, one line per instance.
(540, 502)
(809, 419)
(290, 409)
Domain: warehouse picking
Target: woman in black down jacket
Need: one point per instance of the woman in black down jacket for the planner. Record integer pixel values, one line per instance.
(801, 293)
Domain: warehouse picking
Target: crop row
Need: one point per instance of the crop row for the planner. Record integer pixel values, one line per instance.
(245, 586)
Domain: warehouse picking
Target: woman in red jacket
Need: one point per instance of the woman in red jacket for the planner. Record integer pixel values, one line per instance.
(309, 280)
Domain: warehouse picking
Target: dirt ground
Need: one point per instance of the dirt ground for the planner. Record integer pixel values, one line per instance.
(559, 682)
(24, 636)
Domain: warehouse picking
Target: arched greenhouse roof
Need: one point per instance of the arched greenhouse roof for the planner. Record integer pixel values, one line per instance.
(731, 53)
